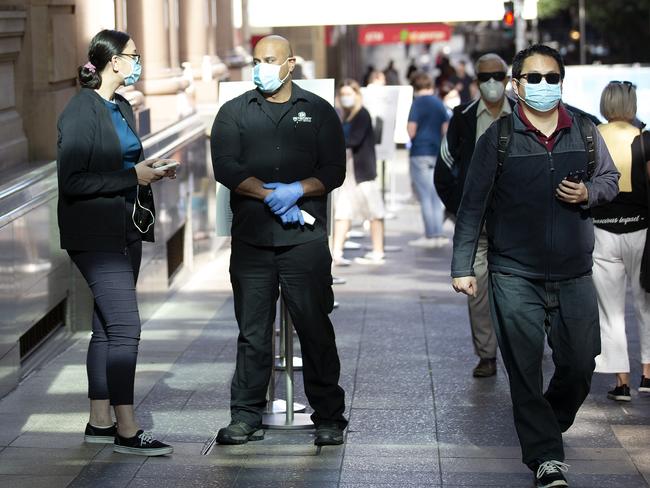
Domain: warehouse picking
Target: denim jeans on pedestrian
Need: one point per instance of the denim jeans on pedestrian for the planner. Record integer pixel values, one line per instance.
(524, 312)
(433, 211)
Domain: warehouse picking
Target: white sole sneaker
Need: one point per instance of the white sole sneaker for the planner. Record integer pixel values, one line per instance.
(98, 439)
(141, 451)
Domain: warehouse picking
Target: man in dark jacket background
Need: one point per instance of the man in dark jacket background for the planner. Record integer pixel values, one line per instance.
(468, 123)
(541, 240)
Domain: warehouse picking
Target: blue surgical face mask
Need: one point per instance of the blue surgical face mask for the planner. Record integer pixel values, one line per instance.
(266, 76)
(542, 96)
(136, 71)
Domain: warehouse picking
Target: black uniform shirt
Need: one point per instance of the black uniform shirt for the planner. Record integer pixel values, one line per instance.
(306, 142)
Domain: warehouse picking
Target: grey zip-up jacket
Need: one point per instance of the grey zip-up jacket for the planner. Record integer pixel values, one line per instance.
(530, 232)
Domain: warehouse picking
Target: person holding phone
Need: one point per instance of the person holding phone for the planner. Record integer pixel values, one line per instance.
(540, 242)
(621, 233)
(105, 211)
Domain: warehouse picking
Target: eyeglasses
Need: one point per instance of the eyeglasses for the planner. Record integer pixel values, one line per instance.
(496, 75)
(137, 57)
(629, 84)
(534, 78)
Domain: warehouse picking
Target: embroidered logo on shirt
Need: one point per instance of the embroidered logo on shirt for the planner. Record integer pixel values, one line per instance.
(302, 117)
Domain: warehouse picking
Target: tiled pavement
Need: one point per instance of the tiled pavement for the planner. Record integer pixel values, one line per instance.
(417, 418)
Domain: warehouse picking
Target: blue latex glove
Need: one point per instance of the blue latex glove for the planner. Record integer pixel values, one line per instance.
(293, 216)
(284, 196)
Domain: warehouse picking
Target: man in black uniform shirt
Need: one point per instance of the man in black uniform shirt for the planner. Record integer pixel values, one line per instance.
(280, 149)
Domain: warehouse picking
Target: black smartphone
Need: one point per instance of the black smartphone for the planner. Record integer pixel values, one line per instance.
(576, 176)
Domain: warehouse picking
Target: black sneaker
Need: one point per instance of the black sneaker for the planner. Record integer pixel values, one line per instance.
(620, 394)
(141, 444)
(328, 434)
(239, 433)
(100, 435)
(645, 385)
(550, 474)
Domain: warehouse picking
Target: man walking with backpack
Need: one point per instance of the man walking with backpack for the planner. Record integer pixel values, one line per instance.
(533, 177)
(468, 123)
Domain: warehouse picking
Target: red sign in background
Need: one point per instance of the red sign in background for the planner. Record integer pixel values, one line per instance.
(406, 33)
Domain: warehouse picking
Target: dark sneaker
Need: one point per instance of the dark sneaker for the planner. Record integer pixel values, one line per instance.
(485, 368)
(551, 474)
(620, 394)
(328, 434)
(100, 435)
(239, 433)
(141, 444)
(645, 385)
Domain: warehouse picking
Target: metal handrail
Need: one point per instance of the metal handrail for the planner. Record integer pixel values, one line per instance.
(33, 188)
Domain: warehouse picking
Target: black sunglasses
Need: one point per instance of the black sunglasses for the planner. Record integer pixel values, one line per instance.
(629, 84)
(137, 57)
(497, 75)
(534, 78)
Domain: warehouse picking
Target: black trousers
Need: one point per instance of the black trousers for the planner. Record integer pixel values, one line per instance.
(523, 312)
(303, 272)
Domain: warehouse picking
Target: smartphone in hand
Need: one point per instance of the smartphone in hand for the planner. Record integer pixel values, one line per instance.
(576, 176)
(165, 164)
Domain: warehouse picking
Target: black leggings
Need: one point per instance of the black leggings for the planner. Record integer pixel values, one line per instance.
(113, 349)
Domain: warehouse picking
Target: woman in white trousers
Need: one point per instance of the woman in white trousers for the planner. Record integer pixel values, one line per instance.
(621, 228)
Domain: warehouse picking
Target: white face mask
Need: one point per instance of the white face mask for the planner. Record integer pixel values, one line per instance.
(492, 90)
(348, 101)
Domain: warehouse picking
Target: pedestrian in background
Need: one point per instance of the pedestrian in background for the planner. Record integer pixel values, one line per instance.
(105, 211)
(280, 150)
(621, 231)
(427, 123)
(467, 124)
(391, 74)
(359, 197)
(535, 200)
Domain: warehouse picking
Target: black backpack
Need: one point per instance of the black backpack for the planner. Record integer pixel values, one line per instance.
(586, 127)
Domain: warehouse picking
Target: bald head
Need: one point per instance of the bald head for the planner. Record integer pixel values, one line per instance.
(276, 47)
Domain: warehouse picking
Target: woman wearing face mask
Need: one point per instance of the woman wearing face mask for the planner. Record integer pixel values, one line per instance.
(359, 197)
(105, 211)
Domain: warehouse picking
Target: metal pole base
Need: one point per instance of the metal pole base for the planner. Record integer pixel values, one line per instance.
(280, 406)
(301, 421)
(280, 364)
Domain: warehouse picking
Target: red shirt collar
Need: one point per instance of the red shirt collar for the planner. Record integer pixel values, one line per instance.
(564, 120)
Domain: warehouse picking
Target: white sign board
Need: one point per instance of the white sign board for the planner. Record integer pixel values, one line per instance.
(583, 86)
(232, 89)
(381, 102)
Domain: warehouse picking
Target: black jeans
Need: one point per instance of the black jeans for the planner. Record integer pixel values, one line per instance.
(113, 348)
(304, 274)
(523, 312)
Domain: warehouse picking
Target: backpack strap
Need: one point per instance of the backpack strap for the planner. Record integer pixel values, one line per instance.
(504, 129)
(587, 129)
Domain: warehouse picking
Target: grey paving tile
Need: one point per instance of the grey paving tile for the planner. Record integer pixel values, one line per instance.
(113, 475)
(299, 473)
(391, 478)
(211, 469)
(175, 483)
(417, 421)
(14, 481)
(246, 483)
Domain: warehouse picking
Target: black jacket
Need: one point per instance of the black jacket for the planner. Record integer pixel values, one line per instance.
(362, 142)
(530, 232)
(455, 154)
(91, 176)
